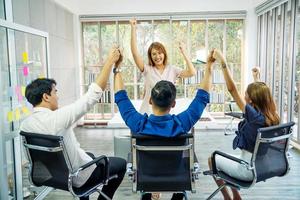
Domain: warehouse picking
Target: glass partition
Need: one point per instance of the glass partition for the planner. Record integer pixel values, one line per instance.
(6, 138)
(2, 9)
(31, 63)
(19, 65)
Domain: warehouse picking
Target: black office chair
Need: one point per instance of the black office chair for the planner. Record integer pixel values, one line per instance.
(50, 165)
(230, 128)
(271, 147)
(160, 164)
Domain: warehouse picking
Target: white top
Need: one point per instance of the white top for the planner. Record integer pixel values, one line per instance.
(152, 76)
(59, 122)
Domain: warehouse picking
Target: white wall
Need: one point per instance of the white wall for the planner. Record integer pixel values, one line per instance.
(151, 6)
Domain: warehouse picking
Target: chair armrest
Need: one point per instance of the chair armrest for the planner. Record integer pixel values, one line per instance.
(96, 160)
(230, 157)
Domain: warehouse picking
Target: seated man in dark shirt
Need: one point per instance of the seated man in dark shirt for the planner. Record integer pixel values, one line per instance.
(162, 99)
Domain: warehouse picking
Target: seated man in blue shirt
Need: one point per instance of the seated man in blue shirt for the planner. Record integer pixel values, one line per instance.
(161, 122)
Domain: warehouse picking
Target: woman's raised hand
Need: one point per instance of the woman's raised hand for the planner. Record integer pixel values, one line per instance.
(133, 22)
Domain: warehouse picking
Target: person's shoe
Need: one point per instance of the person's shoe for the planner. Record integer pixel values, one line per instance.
(177, 196)
(146, 196)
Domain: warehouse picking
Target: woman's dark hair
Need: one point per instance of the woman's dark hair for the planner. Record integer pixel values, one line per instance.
(35, 90)
(163, 94)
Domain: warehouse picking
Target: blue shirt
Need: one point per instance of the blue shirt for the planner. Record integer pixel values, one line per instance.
(166, 125)
(247, 129)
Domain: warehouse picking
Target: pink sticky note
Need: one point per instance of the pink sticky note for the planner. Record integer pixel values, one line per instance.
(20, 98)
(19, 93)
(25, 71)
(17, 90)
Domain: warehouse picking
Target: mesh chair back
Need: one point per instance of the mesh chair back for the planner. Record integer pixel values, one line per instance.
(47, 168)
(271, 151)
(163, 170)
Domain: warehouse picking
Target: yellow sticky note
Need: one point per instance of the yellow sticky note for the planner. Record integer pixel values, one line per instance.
(10, 116)
(23, 89)
(25, 110)
(17, 114)
(25, 57)
(41, 76)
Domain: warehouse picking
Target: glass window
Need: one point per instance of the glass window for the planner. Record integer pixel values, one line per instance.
(162, 32)
(270, 50)
(216, 34)
(8, 116)
(216, 41)
(5, 83)
(278, 57)
(197, 41)
(108, 35)
(179, 34)
(130, 91)
(144, 35)
(197, 36)
(234, 42)
(198, 52)
(296, 106)
(279, 28)
(286, 90)
(128, 65)
(91, 46)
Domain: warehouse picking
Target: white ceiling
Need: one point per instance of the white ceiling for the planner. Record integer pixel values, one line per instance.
(81, 7)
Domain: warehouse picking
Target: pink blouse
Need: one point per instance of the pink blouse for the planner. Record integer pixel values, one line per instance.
(152, 76)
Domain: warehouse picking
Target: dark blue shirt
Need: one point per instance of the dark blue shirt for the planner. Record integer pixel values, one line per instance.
(166, 125)
(247, 129)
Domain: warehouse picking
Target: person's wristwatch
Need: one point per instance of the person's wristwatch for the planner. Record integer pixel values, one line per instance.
(116, 70)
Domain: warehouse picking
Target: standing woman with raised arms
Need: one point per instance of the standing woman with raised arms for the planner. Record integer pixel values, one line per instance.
(157, 68)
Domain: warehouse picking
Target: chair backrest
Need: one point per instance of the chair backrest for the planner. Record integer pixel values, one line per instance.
(163, 164)
(270, 152)
(47, 157)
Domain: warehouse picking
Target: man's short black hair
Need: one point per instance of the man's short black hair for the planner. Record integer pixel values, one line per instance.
(163, 94)
(35, 90)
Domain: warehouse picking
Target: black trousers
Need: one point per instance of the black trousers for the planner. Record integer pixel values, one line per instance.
(116, 166)
(176, 196)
